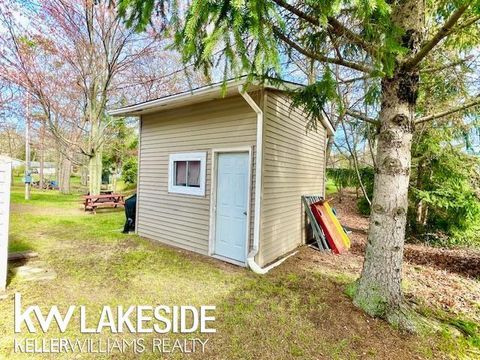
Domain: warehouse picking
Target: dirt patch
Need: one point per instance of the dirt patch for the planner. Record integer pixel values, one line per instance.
(451, 292)
(460, 261)
(442, 278)
(46, 211)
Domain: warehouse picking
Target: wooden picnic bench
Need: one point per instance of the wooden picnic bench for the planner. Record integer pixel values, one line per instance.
(91, 202)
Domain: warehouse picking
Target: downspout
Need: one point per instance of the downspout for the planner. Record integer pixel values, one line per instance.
(325, 167)
(139, 159)
(258, 189)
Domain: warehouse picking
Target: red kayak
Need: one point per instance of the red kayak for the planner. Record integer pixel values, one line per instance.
(334, 238)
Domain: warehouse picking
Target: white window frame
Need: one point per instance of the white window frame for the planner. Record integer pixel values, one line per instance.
(195, 191)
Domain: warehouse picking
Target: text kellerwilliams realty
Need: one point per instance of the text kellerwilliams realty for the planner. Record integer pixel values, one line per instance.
(134, 319)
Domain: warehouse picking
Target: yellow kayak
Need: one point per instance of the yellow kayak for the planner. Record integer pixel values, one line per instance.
(337, 224)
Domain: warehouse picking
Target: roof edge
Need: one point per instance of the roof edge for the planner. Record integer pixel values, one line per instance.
(202, 94)
(207, 93)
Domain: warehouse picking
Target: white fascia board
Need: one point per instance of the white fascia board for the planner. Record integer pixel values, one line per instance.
(203, 94)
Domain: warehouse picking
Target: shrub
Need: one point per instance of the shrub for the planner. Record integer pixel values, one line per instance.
(129, 171)
(444, 192)
(363, 206)
(348, 178)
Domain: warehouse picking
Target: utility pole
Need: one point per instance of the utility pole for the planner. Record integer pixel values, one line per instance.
(28, 177)
(42, 153)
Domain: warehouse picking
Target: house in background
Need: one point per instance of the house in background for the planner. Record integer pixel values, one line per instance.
(49, 168)
(222, 173)
(16, 163)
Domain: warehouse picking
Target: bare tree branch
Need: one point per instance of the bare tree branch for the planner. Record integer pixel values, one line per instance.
(336, 26)
(361, 116)
(465, 106)
(312, 55)
(353, 153)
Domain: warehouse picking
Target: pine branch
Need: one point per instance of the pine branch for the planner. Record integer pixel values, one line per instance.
(439, 36)
(352, 80)
(336, 26)
(340, 30)
(465, 106)
(472, 20)
(321, 58)
(311, 19)
(446, 66)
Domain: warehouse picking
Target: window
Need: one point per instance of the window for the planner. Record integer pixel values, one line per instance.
(187, 173)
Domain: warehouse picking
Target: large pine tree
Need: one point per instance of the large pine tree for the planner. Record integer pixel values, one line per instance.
(388, 42)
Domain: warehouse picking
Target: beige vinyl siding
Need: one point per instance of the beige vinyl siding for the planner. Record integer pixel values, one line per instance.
(293, 165)
(176, 219)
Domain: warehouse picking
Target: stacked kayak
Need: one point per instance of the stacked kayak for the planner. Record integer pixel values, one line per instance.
(336, 237)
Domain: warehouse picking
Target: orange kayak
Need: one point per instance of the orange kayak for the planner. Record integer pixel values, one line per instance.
(332, 232)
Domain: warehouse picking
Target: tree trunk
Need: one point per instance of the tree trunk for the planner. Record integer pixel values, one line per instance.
(379, 287)
(114, 178)
(42, 156)
(378, 290)
(84, 176)
(422, 214)
(65, 171)
(353, 154)
(96, 152)
(95, 172)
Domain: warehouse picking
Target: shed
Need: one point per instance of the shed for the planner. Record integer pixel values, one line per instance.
(222, 171)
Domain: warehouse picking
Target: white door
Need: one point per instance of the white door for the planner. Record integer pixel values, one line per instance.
(232, 204)
(5, 176)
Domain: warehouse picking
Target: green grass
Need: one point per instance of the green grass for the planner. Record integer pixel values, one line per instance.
(459, 334)
(291, 313)
(19, 244)
(50, 198)
(330, 187)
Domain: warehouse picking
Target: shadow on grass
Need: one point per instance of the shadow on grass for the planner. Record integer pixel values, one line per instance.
(306, 315)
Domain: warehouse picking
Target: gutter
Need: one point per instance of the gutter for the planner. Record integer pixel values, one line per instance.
(258, 190)
(139, 160)
(205, 93)
(212, 91)
(329, 127)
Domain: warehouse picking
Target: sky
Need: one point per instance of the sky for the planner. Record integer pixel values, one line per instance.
(291, 72)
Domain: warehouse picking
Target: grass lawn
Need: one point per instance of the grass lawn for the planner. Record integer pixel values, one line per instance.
(295, 311)
(330, 187)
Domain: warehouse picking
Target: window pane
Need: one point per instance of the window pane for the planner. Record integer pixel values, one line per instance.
(193, 174)
(180, 173)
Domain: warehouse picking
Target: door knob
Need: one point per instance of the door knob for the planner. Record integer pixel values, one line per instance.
(245, 213)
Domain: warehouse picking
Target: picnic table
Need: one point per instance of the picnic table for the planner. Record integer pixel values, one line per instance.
(91, 202)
